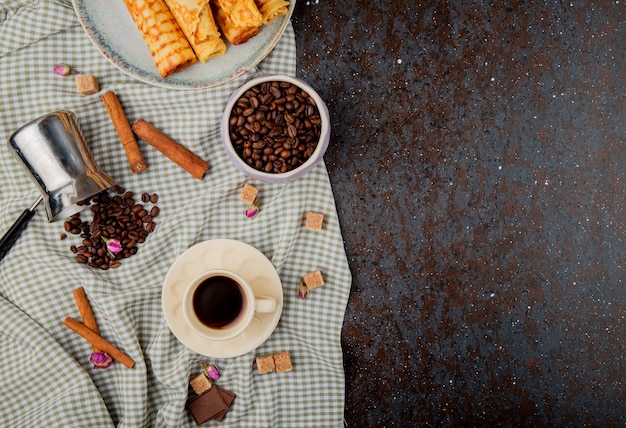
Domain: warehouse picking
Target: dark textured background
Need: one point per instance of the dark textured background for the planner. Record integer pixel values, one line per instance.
(478, 164)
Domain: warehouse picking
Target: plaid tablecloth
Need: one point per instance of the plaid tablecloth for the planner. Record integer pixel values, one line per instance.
(46, 377)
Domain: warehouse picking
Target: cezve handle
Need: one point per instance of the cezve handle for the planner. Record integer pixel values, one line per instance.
(17, 228)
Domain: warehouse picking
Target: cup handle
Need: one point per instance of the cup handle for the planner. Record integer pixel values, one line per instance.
(264, 304)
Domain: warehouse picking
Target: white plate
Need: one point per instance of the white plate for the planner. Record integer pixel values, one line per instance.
(237, 256)
(112, 30)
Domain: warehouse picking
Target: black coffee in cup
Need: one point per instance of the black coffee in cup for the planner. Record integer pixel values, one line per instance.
(218, 301)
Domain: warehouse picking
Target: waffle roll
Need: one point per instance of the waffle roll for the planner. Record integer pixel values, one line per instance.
(238, 19)
(167, 43)
(195, 19)
(271, 9)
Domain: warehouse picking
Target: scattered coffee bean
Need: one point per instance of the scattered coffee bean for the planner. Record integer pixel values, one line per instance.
(114, 216)
(275, 127)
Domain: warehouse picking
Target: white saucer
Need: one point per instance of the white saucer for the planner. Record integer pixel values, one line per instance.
(240, 257)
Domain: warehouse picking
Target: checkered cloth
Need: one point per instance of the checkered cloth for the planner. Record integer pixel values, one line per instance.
(46, 377)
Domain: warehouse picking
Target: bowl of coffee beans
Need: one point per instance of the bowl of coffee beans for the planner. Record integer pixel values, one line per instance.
(275, 128)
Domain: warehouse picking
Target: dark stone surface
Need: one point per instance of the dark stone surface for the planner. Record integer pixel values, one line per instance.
(478, 164)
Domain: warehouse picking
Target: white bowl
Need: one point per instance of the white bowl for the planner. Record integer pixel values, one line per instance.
(269, 177)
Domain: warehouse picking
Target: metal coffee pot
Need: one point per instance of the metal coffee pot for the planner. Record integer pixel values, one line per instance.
(52, 150)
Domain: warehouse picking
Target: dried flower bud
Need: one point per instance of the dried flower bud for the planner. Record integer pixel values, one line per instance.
(113, 245)
(303, 290)
(253, 208)
(212, 372)
(251, 211)
(101, 360)
(63, 70)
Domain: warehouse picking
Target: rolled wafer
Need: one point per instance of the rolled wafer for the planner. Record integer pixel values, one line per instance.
(197, 23)
(238, 19)
(167, 42)
(271, 9)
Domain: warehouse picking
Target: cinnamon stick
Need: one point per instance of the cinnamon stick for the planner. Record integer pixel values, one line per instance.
(184, 158)
(118, 117)
(98, 341)
(86, 313)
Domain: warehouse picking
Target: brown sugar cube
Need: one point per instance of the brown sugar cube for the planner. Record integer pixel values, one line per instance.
(248, 194)
(313, 279)
(265, 364)
(314, 221)
(282, 361)
(200, 383)
(87, 84)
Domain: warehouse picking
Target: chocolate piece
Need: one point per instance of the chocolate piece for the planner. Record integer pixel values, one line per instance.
(228, 398)
(207, 405)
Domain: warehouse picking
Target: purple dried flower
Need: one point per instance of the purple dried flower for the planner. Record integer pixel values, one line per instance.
(303, 290)
(212, 372)
(251, 211)
(63, 70)
(113, 245)
(101, 360)
(253, 208)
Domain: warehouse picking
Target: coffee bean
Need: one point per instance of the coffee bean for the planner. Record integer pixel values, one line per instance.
(270, 117)
(292, 131)
(275, 91)
(115, 216)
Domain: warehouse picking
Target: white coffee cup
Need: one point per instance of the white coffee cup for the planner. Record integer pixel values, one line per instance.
(219, 304)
